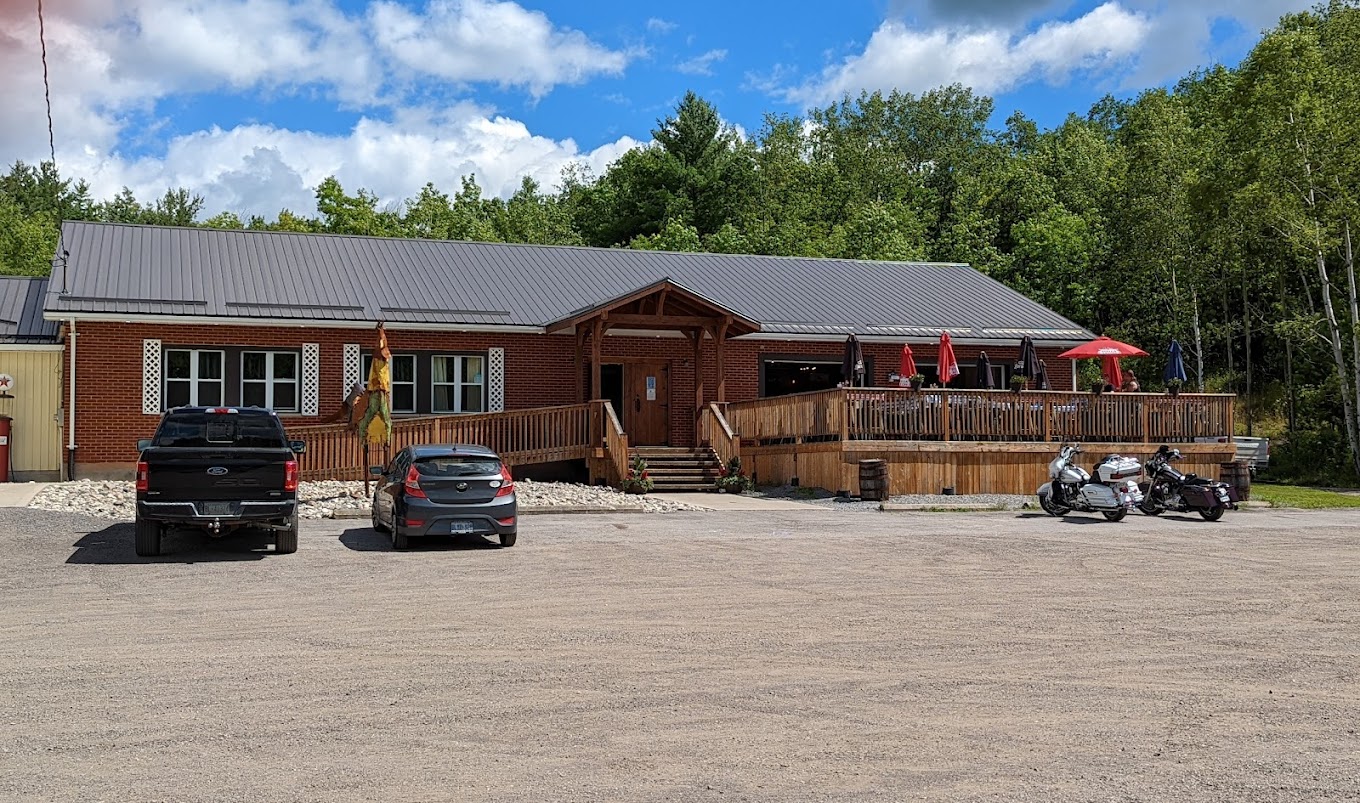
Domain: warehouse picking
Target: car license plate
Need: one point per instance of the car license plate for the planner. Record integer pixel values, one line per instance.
(462, 527)
(217, 509)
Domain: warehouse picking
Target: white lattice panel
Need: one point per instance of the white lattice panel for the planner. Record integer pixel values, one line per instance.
(151, 377)
(354, 364)
(495, 380)
(311, 379)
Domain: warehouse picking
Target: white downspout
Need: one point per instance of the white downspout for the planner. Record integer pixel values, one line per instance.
(71, 410)
(1074, 376)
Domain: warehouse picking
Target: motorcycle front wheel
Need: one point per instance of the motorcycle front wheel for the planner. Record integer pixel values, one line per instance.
(1150, 508)
(1115, 515)
(1212, 514)
(1052, 508)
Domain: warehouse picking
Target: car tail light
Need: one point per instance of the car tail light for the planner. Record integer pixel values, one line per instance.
(506, 522)
(507, 482)
(143, 477)
(412, 484)
(414, 522)
(290, 475)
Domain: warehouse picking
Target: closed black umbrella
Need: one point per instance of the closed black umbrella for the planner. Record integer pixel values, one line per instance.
(852, 365)
(1041, 381)
(1029, 359)
(984, 369)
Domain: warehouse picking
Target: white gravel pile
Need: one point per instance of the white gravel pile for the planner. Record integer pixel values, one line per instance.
(115, 499)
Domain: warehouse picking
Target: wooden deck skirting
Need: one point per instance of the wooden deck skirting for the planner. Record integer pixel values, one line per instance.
(521, 437)
(922, 467)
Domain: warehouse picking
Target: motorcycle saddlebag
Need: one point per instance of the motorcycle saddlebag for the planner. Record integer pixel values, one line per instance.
(1199, 497)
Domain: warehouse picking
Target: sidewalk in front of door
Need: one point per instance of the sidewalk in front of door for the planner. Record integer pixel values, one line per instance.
(725, 502)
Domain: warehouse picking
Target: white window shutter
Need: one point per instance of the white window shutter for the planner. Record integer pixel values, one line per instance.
(311, 379)
(495, 380)
(354, 364)
(151, 377)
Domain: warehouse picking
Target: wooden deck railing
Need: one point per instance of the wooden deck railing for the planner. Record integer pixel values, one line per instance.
(610, 435)
(717, 432)
(538, 435)
(981, 415)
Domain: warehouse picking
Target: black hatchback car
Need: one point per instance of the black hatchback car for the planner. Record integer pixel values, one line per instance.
(452, 489)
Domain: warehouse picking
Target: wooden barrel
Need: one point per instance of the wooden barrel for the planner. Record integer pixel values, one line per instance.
(873, 480)
(1238, 475)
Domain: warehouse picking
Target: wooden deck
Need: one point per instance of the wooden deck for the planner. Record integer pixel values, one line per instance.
(969, 440)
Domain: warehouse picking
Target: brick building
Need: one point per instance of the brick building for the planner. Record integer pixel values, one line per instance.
(154, 317)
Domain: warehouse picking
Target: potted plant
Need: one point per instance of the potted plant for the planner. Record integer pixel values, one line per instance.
(1173, 387)
(916, 381)
(731, 479)
(638, 480)
(1017, 383)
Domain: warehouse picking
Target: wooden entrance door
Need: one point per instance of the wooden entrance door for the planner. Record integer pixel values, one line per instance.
(646, 403)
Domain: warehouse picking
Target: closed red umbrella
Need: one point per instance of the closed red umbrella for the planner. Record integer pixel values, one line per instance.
(1109, 368)
(949, 365)
(908, 367)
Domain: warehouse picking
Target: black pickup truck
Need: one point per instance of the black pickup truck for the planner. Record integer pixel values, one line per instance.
(218, 469)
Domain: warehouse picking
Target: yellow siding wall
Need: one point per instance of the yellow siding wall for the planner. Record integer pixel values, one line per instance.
(36, 438)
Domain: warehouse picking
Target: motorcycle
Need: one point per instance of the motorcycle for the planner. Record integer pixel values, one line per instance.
(1169, 489)
(1070, 488)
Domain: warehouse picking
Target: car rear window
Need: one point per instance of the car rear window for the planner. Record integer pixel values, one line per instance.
(199, 430)
(458, 466)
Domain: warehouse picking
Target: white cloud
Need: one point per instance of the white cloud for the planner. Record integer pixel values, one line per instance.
(487, 41)
(989, 61)
(985, 44)
(260, 169)
(658, 25)
(701, 64)
(112, 61)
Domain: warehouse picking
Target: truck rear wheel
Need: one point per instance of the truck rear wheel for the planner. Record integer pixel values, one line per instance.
(147, 538)
(285, 541)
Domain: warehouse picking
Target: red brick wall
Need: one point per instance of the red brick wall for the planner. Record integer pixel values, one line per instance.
(537, 371)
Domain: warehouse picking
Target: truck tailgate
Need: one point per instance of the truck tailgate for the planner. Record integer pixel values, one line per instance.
(207, 474)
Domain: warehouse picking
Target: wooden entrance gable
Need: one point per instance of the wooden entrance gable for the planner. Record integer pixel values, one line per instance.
(661, 306)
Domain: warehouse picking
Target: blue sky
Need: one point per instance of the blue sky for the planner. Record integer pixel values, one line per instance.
(252, 102)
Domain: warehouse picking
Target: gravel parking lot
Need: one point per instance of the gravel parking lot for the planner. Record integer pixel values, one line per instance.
(818, 655)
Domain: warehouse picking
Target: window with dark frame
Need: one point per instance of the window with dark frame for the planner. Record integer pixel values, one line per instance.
(403, 381)
(781, 375)
(194, 377)
(270, 379)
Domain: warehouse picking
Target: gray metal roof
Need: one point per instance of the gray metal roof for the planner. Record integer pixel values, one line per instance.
(21, 311)
(155, 270)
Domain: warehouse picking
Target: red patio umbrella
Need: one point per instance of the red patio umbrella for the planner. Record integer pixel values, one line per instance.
(1103, 347)
(908, 367)
(1109, 351)
(949, 366)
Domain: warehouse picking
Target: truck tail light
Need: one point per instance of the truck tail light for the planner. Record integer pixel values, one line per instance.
(290, 475)
(412, 484)
(507, 482)
(143, 477)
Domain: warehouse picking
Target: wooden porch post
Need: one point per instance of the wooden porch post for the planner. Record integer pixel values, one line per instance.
(596, 331)
(721, 362)
(698, 382)
(580, 337)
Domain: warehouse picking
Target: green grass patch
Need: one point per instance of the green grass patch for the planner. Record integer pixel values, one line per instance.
(1299, 496)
